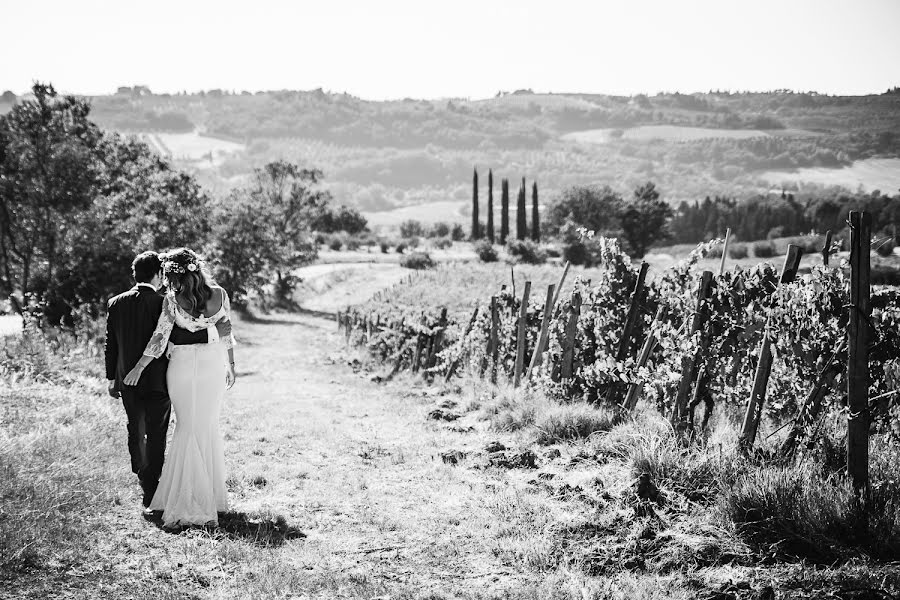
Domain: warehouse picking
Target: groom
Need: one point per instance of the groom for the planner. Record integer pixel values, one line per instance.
(131, 319)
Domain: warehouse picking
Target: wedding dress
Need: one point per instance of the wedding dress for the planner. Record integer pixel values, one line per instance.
(192, 484)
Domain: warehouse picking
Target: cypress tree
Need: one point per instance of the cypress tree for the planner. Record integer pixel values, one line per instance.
(535, 219)
(490, 206)
(521, 223)
(504, 210)
(475, 231)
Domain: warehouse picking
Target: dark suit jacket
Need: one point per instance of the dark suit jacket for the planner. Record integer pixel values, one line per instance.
(130, 321)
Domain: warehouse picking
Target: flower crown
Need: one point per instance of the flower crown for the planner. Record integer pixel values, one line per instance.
(171, 266)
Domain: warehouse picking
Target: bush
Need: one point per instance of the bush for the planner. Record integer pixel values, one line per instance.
(737, 250)
(485, 251)
(385, 246)
(411, 228)
(552, 251)
(418, 261)
(457, 233)
(353, 243)
(526, 251)
(400, 248)
(439, 230)
(763, 249)
(442, 243)
(335, 243)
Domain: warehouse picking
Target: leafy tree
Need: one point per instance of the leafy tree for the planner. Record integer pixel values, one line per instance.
(277, 211)
(593, 207)
(644, 219)
(411, 228)
(76, 204)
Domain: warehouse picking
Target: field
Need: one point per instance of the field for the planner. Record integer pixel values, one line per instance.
(350, 481)
(191, 147)
(868, 175)
(432, 212)
(670, 133)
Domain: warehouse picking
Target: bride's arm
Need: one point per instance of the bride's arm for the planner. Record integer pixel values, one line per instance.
(229, 341)
(157, 344)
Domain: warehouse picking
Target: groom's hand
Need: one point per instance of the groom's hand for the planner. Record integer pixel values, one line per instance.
(224, 328)
(111, 388)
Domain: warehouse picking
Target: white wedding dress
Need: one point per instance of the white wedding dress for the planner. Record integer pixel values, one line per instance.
(192, 484)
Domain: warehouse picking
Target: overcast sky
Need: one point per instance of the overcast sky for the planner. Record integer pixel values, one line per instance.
(466, 48)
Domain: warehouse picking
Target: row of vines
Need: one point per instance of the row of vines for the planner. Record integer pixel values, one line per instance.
(586, 356)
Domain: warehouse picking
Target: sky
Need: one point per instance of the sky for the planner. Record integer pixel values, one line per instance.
(381, 49)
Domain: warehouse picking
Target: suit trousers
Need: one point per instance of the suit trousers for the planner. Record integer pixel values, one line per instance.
(148, 422)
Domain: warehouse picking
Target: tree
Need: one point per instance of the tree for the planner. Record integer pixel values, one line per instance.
(274, 216)
(535, 217)
(77, 204)
(521, 209)
(8, 97)
(475, 228)
(593, 207)
(644, 219)
(504, 210)
(490, 206)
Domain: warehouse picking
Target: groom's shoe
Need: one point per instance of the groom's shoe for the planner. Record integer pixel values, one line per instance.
(149, 490)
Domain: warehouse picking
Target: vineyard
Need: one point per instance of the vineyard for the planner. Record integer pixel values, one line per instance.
(766, 349)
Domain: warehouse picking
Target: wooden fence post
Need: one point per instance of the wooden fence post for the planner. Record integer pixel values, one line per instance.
(559, 285)
(542, 337)
(764, 365)
(348, 327)
(725, 250)
(436, 339)
(494, 340)
(568, 357)
(634, 390)
(858, 352)
(826, 249)
(420, 342)
(520, 339)
(689, 363)
(452, 368)
(339, 320)
(628, 330)
(812, 404)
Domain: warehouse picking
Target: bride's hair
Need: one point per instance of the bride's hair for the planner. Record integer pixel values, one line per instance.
(186, 275)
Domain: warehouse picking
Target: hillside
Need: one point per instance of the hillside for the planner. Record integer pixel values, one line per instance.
(384, 155)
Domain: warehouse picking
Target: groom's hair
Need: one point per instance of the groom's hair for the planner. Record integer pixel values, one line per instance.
(145, 266)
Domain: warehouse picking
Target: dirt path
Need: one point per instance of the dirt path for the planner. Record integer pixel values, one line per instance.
(356, 467)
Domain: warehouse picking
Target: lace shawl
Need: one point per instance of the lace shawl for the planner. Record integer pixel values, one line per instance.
(172, 314)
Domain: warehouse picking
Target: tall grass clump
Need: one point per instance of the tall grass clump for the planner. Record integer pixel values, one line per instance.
(573, 421)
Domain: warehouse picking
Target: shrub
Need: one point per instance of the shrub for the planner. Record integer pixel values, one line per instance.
(457, 233)
(439, 230)
(352, 243)
(763, 249)
(526, 251)
(335, 243)
(411, 228)
(737, 250)
(442, 243)
(418, 261)
(552, 251)
(385, 246)
(400, 248)
(485, 251)
(577, 253)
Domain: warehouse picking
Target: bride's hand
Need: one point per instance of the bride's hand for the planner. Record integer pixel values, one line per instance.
(230, 376)
(133, 376)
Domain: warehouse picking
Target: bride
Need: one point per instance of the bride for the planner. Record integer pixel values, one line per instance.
(192, 484)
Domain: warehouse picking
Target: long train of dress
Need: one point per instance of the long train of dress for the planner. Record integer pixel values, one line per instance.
(192, 485)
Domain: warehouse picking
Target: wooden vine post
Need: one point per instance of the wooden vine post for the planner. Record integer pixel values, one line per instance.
(858, 352)
(826, 249)
(630, 321)
(689, 364)
(494, 340)
(634, 389)
(520, 338)
(544, 334)
(452, 368)
(764, 364)
(725, 250)
(568, 357)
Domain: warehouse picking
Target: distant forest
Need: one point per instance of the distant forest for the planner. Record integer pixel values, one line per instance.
(383, 155)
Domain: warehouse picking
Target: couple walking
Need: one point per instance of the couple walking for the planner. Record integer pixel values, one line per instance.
(169, 343)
